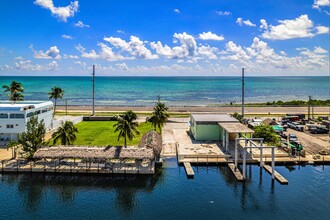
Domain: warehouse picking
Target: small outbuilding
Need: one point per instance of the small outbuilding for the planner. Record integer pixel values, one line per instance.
(205, 127)
(217, 127)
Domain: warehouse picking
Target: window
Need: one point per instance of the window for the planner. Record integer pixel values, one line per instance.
(3, 115)
(10, 126)
(16, 115)
(44, 110)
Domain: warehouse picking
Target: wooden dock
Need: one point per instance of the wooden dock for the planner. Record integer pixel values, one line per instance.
(236, 172)
(278, 176)
(189, 170)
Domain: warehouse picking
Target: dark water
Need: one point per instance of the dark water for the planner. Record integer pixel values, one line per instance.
(175, 91)
(212, 194)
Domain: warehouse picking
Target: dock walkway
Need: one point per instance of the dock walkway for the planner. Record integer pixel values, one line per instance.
(278, 176)
(236, 172)
(188, 168)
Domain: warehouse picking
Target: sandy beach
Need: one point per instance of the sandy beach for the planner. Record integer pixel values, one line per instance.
(197, 109)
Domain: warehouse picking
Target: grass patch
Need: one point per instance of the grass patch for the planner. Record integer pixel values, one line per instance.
(102, 133)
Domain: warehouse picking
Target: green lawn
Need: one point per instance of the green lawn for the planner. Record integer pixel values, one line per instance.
(102, 133)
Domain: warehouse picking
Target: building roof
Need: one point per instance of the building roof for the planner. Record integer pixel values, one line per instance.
(269, 121)
(85, 152)
(152, 140)
(235, 128)
(214, 118)
(23, 105)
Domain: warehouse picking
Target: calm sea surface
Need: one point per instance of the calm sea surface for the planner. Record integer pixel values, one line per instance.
(212, 194)
(176, 91)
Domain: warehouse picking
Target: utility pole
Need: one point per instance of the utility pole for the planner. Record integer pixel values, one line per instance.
(242, 92)
(93, 114)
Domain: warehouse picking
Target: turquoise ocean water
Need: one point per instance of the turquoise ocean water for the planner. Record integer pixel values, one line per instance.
(175, 91)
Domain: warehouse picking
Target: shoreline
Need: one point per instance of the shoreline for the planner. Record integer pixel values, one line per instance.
(325, 110)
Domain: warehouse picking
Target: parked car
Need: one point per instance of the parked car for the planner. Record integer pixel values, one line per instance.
(319, 131)
(295, 126)
(292, 138)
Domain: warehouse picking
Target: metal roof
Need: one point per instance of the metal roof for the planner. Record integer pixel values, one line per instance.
(235, 128)
(214, 118)
(20, 105)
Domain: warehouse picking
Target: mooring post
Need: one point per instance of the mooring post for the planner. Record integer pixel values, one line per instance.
(227, 141)
(273, 163)
(223, 138)
(261, 154)
(244, 163)
(236, 154)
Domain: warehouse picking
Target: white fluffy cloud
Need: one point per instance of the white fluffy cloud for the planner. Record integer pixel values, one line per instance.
(62, 13)
(135, 47)
(66, 56)
(223, 13)
(210, 36)
(188, 47)
(104, 53)
(261, 57)
(177, 11)
(27, 65)
(81, 25)
(52, 53)
(67, 37)
(289, 29)
(241, 22)
(321, 3)
(208, 52)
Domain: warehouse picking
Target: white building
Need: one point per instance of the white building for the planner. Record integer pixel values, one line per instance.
(13, 117)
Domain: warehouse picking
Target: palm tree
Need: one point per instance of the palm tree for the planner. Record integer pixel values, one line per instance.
(159, 116)
(15, 89)
(56, 93)
(127, 126)
(66, 134)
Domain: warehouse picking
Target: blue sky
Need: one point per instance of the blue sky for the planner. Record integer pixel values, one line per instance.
(164, 37)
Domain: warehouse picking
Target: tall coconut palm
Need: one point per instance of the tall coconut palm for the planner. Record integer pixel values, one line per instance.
(15, 89)
(56, 93)
(66, 134)
(127, 126)
(159, 116)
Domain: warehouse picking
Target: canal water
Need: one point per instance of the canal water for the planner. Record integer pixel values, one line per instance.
(212, 194)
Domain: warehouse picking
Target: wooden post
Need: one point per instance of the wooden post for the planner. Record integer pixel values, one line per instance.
(227, 141)
(223, 138)
(86, 165)
(261, 154)
(236, 154)
(273, 163)
(244, 163)
(138, 161)
(98, 165)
